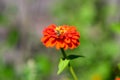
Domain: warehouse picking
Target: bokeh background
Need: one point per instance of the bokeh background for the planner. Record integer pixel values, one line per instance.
(23, 56)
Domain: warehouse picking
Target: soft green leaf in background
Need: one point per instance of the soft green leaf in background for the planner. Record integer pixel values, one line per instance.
(13, 37)
(115, 27)
(119, 66)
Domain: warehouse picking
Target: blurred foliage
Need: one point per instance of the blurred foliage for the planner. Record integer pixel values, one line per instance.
(37, 68)
(7, 72)
(7, 16)
(115, 27)
(3, 19)
(13, 37)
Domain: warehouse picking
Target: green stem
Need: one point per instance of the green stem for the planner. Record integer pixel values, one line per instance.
(70, 67)
(72, 72)
(63, 52)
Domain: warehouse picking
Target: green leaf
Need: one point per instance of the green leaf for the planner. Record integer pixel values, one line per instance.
(62, 65)
(70, 57)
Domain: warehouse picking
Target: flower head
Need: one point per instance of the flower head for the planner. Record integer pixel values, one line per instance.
(61, 37)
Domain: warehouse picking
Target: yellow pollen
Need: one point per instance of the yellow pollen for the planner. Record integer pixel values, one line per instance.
(59, 30)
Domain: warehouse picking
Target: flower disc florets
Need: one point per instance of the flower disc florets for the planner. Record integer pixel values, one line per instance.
(61, 37)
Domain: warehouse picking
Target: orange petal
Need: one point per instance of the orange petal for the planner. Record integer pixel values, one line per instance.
(67, 40)
(57, 45)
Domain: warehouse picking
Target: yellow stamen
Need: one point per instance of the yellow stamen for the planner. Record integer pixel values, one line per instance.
(59, 30)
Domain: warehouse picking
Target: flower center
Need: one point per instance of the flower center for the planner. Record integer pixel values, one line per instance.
(60, 30)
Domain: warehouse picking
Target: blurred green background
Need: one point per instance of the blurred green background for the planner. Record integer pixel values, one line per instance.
(23, 56)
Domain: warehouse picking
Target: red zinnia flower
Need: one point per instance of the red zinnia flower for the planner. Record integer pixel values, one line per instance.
(61, 37)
